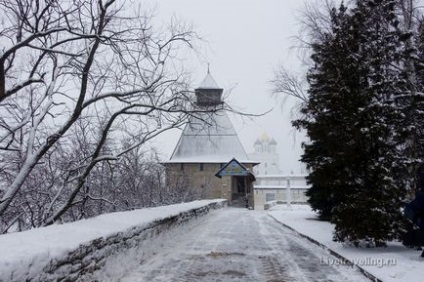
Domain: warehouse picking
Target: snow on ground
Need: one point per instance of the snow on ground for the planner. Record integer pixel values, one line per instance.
(228, 243)
(35, 248)
(231, 244)
(393, 263)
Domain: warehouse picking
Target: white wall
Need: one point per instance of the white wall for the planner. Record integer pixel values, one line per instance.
(279, 188)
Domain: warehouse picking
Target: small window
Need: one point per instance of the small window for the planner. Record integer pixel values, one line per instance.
(182, 167)
(270, 197)
(201, 167)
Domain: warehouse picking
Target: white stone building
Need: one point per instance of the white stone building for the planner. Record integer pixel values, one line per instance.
(271, 185)
(266, 154)
(280, 189)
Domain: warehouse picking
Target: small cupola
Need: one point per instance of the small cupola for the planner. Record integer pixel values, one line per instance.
(208, 93)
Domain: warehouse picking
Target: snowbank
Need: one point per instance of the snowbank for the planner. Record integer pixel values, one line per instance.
(391, 264)
(72, 249)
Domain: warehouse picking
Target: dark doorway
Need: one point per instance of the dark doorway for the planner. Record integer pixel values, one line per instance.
(239, 191)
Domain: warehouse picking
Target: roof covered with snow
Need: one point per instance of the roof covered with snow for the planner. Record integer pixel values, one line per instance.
(208, 83)
(211, 138)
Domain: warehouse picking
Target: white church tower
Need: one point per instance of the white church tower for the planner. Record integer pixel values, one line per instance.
(266, 154)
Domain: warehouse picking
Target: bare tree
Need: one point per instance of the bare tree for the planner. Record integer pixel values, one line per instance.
(286, 84)
(315, 25)
(89, 64)
(314, 22)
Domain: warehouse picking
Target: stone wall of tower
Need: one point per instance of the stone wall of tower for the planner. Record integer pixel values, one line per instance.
(204, 181)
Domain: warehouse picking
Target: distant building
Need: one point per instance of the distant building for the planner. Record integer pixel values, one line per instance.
(280, 189)
(206, 145)
(271, 186)
(266, 154)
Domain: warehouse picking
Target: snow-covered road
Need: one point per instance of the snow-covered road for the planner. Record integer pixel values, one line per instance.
(236, 245)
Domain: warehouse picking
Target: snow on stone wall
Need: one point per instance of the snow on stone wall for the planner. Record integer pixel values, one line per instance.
(80, 263)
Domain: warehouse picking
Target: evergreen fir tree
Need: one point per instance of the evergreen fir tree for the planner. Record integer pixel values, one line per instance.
(417, 101)
(410, 102)
(330, 116)
(372, 212)
(353, 124)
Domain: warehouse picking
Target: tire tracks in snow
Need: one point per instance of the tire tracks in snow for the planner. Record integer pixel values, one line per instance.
(308, 257)
(235, 245)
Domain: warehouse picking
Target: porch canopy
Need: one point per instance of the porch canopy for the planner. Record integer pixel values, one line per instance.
(235, 168)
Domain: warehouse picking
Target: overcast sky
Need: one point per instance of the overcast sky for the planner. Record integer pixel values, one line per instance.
(247, 41)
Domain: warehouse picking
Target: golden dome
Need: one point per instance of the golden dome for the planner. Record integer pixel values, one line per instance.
(265, 137)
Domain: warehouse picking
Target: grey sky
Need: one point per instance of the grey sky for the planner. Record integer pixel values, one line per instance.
(247, 40)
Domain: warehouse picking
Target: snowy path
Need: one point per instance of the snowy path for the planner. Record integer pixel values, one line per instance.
(238, 245)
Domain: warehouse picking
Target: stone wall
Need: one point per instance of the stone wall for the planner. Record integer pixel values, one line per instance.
(201, 179)
(90, 257)
(215, 188)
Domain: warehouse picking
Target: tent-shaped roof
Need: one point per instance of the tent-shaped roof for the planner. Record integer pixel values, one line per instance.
(208, 83)
(211, 138)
